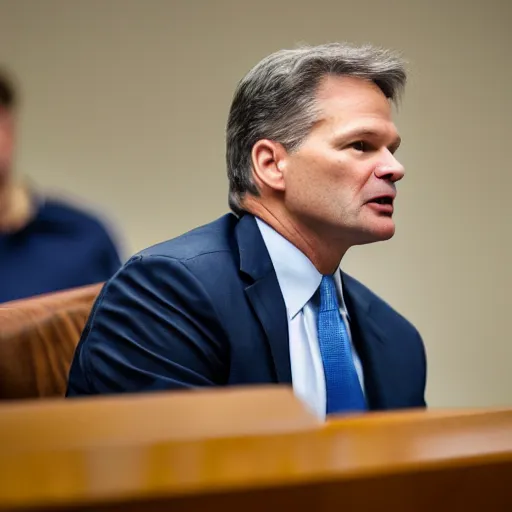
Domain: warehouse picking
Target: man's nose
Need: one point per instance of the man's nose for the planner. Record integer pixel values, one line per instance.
(390, 168)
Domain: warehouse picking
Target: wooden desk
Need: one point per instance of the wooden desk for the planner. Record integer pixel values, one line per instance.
(415, 461)
(150, 418)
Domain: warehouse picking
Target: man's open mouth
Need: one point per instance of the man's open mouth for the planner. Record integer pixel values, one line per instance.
(382, 200)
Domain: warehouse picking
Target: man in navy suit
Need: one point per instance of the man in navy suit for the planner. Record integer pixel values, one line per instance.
(258, 296)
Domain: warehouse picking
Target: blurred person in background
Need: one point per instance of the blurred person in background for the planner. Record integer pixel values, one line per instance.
(45, 244)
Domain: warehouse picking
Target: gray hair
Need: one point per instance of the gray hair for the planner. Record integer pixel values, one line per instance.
(276, 100)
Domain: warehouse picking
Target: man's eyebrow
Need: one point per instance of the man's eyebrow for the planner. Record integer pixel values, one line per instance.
(365, 132)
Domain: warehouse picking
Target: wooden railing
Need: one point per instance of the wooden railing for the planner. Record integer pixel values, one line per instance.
(249, 450)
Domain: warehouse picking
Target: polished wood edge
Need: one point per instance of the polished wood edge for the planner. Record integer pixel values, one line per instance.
(410, 415)
(173, 469)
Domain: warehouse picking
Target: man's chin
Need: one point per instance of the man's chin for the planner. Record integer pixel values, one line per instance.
(377, 233)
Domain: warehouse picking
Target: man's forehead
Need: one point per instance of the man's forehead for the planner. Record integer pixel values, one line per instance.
(367, 125)
(352, 123)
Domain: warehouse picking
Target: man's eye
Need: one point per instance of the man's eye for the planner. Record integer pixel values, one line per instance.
(360, 146)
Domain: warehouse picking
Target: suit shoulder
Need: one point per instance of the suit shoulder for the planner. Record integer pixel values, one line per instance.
(214, 237)
(378, 306)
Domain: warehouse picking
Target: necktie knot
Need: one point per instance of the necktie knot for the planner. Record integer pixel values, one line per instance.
(328, 296)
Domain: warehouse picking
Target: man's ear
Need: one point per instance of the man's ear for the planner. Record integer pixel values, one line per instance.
(269, 164)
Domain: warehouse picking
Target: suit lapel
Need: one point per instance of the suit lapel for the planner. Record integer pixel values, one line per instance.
(264, 294)
(372, 344)
(266, 299)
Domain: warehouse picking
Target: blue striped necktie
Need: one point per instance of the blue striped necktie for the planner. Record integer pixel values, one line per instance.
(343, 389)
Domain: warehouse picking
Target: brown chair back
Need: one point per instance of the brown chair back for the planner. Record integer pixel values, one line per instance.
(38, 337)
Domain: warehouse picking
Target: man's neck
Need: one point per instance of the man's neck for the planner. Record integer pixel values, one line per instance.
(324, 255)
(17, 208)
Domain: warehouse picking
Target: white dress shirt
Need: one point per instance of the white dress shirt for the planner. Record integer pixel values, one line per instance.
(299, 280)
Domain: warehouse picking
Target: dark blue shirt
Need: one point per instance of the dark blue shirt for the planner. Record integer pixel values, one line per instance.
(62, 247)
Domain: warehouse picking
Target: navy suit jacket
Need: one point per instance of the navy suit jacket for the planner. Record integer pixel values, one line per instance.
(206, 309)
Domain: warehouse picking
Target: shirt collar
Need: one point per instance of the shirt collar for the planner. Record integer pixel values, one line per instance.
(297, 276)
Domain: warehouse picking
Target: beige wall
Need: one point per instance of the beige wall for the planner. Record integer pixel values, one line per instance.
(126, 102)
